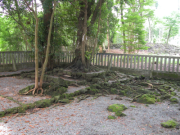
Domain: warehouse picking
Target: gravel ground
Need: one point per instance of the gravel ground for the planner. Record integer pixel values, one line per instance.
(89, 117)
(6, 104)
(10, 86)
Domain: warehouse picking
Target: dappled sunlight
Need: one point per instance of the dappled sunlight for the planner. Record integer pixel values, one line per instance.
(5, 129)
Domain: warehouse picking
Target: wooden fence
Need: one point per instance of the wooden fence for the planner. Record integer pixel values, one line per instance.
(126, 61)
(138, 62)
(16, 56)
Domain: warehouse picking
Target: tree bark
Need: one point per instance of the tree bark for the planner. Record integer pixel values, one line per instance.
(79, 52)
(96, 39)
(48, 47)
(84, 35)
(48, 9)
(122, 22)
(149, 30)
(108, 38)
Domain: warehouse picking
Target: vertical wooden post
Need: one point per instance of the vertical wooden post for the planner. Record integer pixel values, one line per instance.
(142, 62)
(145, 62)
(134, 61)
(173, 65)
(124, 61)
(149, 66)
(138, 63)
(105, 60)
(131, 62)
(157, 63)
(117, 60)
(161, 63)
(127, 61)
(177, 70)
(169, 64)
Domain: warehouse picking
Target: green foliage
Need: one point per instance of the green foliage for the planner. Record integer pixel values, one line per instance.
(172, 25)
(133, 26)
(10, 35)
(88, 55)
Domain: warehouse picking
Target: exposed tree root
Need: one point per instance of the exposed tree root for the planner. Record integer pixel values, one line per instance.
(34, 90)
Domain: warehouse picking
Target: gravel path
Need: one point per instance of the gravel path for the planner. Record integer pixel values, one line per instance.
(6, 104)
(10, 86)
(89, 117)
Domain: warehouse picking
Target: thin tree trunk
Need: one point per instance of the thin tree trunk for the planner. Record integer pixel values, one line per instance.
(48, 46)
(36, 47)
(168, 35)
(122, 22)
(108, 37)
(149, 30)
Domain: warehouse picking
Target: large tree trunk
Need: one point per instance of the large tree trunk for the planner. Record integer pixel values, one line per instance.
(80, 60)
(84, 38)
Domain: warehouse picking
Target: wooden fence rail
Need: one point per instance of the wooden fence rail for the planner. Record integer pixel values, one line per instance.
(16, 56)
(128, 61)
(139, 62)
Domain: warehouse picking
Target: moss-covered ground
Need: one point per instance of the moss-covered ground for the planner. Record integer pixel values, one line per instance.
(138, 88)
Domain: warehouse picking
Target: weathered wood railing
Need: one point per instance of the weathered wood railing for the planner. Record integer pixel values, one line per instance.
(16, 56)
(139, 62)
(126, 61)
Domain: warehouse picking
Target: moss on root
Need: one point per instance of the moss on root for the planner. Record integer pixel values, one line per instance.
(43, 103)
(24, 90)
(64, 101)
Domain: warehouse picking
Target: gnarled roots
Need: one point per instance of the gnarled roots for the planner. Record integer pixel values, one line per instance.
(34, 90)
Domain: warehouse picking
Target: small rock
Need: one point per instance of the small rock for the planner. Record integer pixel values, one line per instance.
(178, 126)
(118, 98)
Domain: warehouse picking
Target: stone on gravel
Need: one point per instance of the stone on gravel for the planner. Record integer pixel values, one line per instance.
(147, 99)
(169, 124)
(120, 113)
(118, 98)
(133, 106)
(164, 97)
(174, 100)
(116, 107)
(111, 117)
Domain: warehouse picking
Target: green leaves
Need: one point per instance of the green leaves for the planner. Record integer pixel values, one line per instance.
(172, 25)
